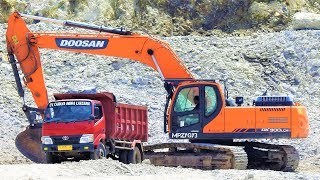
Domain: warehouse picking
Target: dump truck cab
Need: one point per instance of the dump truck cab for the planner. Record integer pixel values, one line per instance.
(80, 119)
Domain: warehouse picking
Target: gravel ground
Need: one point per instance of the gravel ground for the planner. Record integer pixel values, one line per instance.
(286, 63)
(106, 168)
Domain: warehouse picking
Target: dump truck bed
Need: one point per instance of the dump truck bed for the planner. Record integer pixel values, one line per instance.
(123, 121)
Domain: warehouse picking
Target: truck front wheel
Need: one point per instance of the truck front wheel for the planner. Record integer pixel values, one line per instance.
(134, 156)
(99, 153)
(51, 158)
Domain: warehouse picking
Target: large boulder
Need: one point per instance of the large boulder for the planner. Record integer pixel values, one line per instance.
(303, 20)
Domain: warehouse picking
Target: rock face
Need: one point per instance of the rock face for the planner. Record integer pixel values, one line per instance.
(306, 21)
(167, 18)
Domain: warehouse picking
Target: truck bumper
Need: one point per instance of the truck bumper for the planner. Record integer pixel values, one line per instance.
(87, 147)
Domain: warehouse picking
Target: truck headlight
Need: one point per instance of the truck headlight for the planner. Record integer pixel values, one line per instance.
(46, 140)
(86, 138)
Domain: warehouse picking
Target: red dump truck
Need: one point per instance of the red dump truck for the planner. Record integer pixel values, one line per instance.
(91, 126)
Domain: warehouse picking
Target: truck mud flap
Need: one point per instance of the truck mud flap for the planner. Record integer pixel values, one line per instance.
(28, 143)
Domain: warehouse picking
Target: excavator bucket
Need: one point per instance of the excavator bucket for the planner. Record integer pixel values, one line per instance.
(28, 143)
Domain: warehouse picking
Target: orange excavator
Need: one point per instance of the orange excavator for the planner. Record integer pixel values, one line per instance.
(219, 130)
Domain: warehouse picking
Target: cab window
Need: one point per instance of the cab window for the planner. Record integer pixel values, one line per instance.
(210, 100)
(186, 99)
(98, 111)
(187, 107)
(188, 120)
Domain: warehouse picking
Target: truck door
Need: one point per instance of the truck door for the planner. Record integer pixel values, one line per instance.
(194, 107)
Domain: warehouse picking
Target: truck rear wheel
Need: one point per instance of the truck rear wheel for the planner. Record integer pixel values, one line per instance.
(99, 153)
(134, 156)
(123, 157)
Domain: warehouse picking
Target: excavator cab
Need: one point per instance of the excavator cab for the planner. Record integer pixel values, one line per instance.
(186, 118)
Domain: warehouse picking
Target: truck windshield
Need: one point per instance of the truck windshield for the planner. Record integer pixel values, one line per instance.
(68, 111)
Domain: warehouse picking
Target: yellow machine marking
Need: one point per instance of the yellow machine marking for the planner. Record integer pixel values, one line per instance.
(15, 39)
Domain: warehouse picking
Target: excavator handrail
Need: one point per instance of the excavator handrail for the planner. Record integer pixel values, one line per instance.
(120, 31)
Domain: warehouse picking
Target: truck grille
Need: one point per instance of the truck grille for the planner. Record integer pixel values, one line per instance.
(65, 139)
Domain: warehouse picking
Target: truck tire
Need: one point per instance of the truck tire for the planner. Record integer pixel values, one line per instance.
(99, 153)
(51, 158)
(134, 156)
(123, 157)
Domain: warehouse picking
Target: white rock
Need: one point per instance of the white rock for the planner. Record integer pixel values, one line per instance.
(302, 20)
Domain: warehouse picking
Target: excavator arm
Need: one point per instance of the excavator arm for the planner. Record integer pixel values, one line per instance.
(24, 45)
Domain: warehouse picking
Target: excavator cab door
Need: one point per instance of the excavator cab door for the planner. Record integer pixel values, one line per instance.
(193, 106)
(185, 113)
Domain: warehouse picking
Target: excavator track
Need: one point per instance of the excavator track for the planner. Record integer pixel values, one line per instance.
(197, 155)
(237, 155)
(292, 159)
(274, 157)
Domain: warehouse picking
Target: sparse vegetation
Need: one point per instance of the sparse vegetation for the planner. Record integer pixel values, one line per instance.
(76, 6)
(175, 17)
(6, 8)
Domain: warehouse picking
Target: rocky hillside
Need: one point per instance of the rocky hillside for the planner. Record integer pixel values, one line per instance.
(283, 63)
(174, 17)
